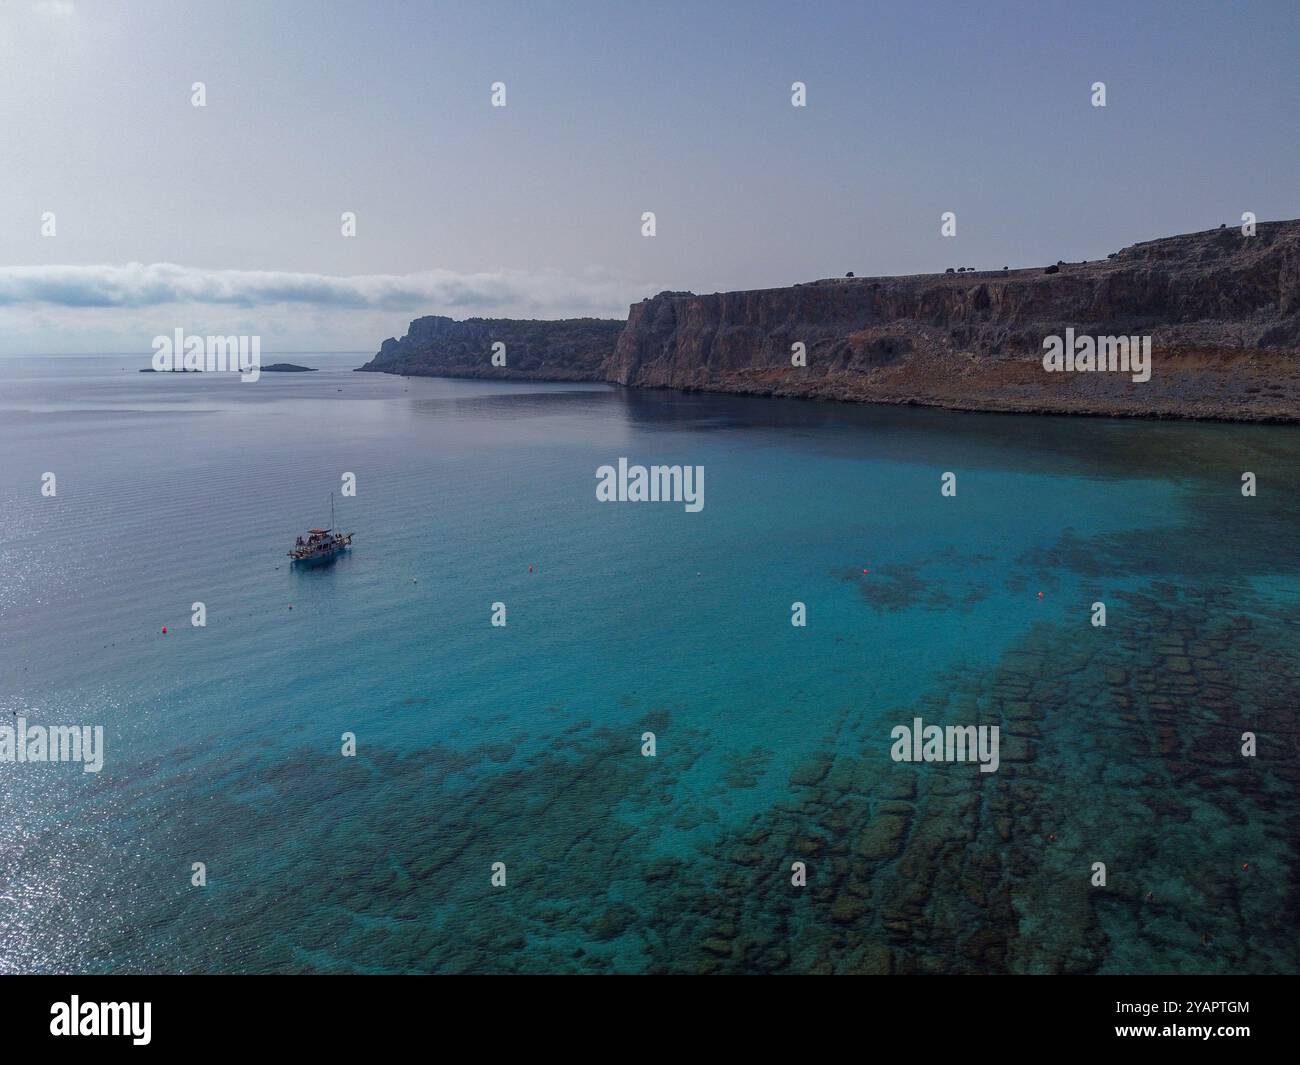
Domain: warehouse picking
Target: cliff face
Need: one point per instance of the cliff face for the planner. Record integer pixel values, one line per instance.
(573, 349)
(1223, 312)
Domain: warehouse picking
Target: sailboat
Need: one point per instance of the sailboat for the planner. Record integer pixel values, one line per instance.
(320, 545)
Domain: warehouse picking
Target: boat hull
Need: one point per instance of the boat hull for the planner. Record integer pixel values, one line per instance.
(321, 556)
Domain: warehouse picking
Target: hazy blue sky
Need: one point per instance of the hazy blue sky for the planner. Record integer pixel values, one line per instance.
(383, 108)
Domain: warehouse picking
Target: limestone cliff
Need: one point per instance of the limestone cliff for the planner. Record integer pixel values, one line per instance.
(1223, 311)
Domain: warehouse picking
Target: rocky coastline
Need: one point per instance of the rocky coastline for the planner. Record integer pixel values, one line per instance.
(1221, 310)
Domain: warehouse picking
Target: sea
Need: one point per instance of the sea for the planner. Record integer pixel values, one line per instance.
(649, 767)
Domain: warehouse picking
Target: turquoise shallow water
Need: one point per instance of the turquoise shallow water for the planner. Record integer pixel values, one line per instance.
(522, 744)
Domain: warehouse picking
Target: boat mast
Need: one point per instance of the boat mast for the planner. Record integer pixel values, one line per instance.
(332, 528)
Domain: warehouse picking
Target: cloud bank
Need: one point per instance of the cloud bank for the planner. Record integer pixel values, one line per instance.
(139, 285)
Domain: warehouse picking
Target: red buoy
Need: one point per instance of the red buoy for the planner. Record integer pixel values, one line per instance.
(1245, 865)
(1040, 595)
(164, 630)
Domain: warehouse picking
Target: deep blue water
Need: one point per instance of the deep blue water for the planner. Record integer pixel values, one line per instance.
(522, 744)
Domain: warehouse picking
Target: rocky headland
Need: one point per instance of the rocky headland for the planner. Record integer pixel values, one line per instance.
(1222, 311)
(570, 349)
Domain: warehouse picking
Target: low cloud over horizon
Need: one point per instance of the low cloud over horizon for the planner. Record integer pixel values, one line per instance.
(57, 308)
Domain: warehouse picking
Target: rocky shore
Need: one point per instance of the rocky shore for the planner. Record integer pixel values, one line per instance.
(1222, 310)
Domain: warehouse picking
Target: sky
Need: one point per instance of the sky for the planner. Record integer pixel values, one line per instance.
(227, 218)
